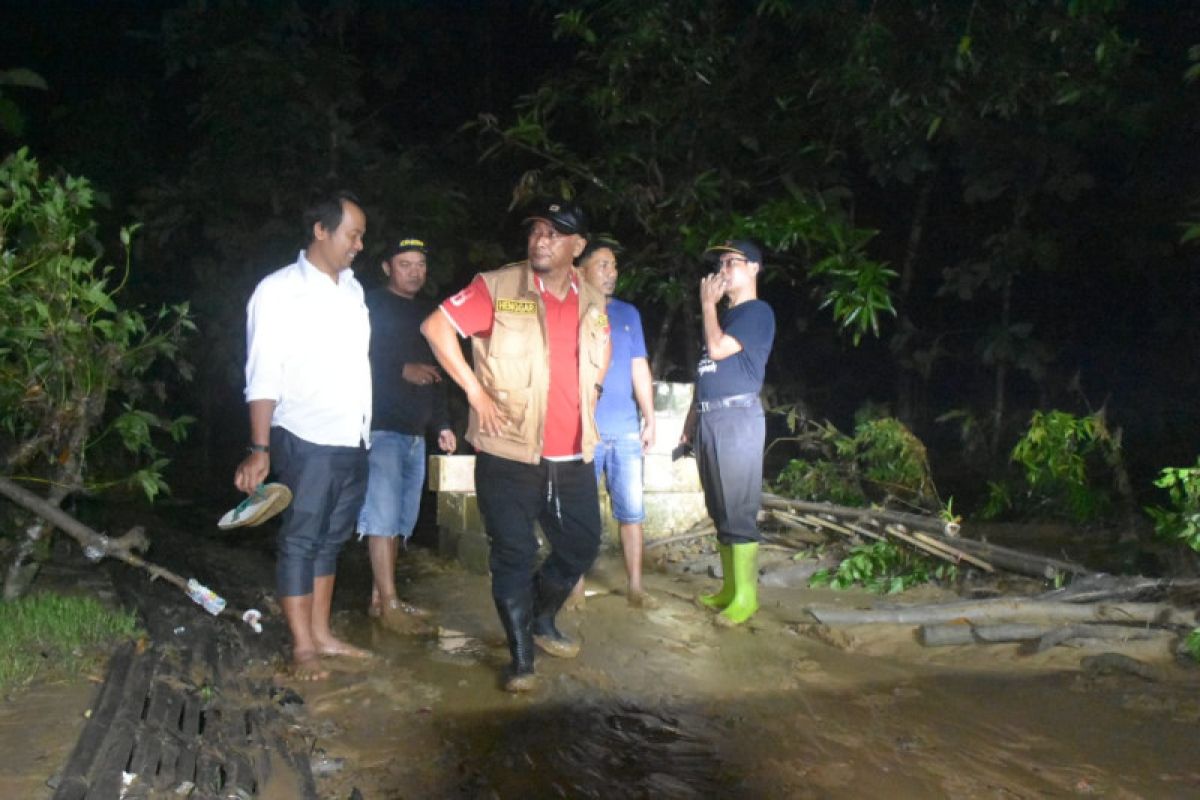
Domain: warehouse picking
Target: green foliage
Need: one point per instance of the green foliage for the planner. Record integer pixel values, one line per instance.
(883, 567)
(1192, 644)
(882, 462)
(69, 350)
(684, 168)
(1180, 521)
(1058, 457)
(52, 635)
(818, 480)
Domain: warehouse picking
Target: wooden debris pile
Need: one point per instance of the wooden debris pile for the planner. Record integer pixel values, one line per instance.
(814, 522)
(1092, 609)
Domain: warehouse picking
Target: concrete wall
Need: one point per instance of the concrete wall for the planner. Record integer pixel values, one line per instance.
(673, 499)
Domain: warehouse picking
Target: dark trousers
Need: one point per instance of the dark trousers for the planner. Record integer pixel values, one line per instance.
(328, 485)
(561, 496)
(729, 453)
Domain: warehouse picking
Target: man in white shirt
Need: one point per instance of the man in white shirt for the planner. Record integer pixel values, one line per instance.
(308, 387)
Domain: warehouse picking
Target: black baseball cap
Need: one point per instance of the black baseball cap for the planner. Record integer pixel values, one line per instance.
(742, 247)
(597, 242)
(565, 216)
(404, 245)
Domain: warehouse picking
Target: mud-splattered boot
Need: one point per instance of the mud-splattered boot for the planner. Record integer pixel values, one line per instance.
(745, 582)
(546, 635)
(718, 601)
(516, 614)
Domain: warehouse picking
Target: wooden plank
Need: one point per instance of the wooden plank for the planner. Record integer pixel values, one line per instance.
(83, 755)
(189, 726)
(73, 788)
(160, 705)
(147, 748)
(185, 765)
(167, 761)
(106, 774)
(208, 773)
(239, 774)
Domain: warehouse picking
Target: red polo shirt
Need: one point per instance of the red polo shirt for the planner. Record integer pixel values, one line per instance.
(472, 312)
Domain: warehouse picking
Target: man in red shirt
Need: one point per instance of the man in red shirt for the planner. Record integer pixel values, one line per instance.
(540, 347)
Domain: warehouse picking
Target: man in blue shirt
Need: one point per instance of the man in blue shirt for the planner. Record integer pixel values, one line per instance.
(624, 438)
(726, 421)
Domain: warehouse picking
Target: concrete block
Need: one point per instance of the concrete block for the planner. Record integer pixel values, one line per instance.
(448, 541)
(451, 473)
(661, 474)
(473, 552)
(672, 399)
(670, 513)
(459, 510)
(667, 428)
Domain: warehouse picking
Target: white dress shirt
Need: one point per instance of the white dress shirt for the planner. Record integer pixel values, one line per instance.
(307, 348)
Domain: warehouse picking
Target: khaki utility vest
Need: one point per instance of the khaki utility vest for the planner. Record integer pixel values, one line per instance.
(513, 364)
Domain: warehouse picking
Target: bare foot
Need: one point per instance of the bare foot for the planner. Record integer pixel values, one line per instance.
(306, 666)
(642, 599)
(336, 647)
(399, 619)
(375, 608)
(396, 604)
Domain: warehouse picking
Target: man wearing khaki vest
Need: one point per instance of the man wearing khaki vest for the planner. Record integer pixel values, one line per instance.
(540, 346)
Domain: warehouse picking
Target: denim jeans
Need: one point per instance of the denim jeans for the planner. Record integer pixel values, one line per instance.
(395, 478)
(619, 459)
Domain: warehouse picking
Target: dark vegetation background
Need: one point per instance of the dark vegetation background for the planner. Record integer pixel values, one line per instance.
(1027, 168)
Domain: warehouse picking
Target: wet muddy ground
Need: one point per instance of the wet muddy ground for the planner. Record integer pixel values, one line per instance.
(661, 704)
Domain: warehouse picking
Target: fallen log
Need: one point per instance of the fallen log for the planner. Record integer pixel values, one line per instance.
(1021, 563)
(1096, 587)
(95, 545)
(1110, 663)
(941, 635)
(1009, 610)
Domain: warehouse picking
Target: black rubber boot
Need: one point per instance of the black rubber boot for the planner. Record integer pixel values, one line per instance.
(516, 614)
(546, 635)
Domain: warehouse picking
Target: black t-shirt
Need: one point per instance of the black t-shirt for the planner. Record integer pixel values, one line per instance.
(752, 323)
(396, 340)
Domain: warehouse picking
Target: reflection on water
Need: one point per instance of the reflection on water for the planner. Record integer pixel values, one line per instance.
(594, 751)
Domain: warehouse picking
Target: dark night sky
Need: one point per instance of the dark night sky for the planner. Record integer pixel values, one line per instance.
(117, 113)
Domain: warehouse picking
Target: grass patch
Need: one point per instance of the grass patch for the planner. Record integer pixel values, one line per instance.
(49, 635)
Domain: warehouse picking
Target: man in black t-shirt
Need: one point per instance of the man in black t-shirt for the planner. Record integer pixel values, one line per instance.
(409, 400)
(726, 422)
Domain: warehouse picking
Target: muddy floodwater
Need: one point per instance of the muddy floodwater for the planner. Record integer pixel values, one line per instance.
(662, 704)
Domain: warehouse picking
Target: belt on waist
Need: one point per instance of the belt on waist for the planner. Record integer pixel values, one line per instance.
(748, 400)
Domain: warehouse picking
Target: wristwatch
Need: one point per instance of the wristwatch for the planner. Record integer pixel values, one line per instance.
(258, 448)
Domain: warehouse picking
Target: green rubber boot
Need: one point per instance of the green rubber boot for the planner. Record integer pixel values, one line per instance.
(724, 597)
(745, 582)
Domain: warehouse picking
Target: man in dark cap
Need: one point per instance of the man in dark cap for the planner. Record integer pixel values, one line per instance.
(409, 401)
(726, 421)
(540, 345)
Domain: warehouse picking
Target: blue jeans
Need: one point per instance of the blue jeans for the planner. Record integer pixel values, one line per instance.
(394, 482)
(619, 459)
